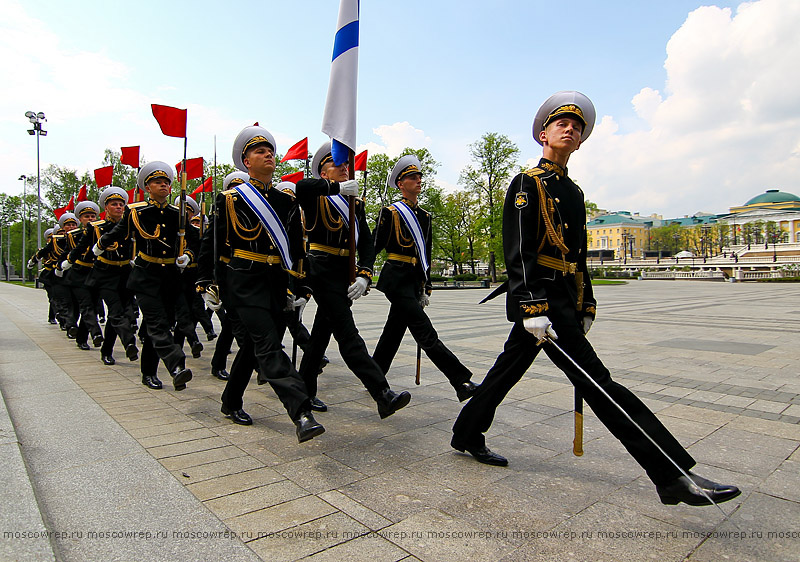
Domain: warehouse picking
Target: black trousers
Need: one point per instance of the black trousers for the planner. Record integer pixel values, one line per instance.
(86, 298)
(335, 317)
(120, 319)
(223, 344)
(159, 316)
(519, 352)
(257, 332)
(406, 312)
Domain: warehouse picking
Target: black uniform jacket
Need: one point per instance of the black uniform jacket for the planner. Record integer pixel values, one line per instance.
(153, 230)
(402, 271)
(51, 252)
(255, 277)
(544, 242)
(111, 264)
(82, 264)
(327, 233)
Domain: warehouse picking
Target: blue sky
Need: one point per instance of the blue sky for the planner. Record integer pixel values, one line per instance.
(685, 94)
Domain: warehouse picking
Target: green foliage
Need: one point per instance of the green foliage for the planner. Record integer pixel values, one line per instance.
(465, 277)
(494, 159)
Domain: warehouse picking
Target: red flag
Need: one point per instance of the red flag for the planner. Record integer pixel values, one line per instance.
(103, 215)
(206, 187)
(294, 178)
(102, 176)
(194, 168)
(299, 151)
(59, 211)
(132, 192)
(171, 120)
(71, 205)
(82, 196)
(361, 162)
(130, 156)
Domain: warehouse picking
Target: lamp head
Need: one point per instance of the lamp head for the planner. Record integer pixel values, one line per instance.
(30, 114)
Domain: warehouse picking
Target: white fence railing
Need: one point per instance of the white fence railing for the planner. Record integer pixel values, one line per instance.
(708, 275)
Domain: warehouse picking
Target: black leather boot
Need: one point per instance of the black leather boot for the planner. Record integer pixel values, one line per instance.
(390, 401)
(307, 426)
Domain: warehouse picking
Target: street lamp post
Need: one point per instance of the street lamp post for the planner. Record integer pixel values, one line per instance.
(24, 179)
(37, 119)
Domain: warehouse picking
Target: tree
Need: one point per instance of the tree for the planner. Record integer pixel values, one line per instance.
(494, 157)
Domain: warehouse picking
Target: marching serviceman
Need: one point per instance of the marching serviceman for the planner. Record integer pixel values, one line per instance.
(404, 230)
(155, 278)
(215, 267)
(109, 276)
(326, 215)
(52, 252)
(81, 264)
(550, 298)
(46, 275)
(259, 228)
(186, 316)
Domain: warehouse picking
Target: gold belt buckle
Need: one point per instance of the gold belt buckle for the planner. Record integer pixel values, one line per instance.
(572, 267)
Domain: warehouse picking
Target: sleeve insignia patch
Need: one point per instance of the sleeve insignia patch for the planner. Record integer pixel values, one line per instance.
(521, 200)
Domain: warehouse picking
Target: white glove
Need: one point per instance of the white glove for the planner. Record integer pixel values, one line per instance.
(301, 302)
(59, 273)
(65, 265)
(212, 302)
(132, 262)
(540, 327)
(587, 324)
(349, 187)
(357, 289)
(96, 250)
(424, 300)
(182, 261)
(32, 263)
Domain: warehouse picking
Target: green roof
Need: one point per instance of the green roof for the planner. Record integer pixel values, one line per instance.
(772, 196)
(617, 218)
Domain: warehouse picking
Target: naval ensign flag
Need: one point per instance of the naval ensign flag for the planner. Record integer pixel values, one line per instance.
(339, 120)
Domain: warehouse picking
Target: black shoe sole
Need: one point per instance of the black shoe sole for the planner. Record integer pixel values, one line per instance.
(182, 378)
(699, 502)
(110, 361)
(401, 403)
(302, 438)
(132, 353)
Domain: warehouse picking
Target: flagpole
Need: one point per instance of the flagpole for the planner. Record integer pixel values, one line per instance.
(351, 202)
(214, 208)
(182, 205)
(203, 195)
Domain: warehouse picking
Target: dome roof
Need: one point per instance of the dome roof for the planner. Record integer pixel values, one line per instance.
(773, 196)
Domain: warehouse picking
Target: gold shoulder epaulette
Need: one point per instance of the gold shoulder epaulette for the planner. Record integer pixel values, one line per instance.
(97, 223)
(137, 205)
(229, 192)
(534, 172)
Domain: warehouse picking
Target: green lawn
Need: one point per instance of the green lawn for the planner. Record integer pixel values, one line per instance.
(609, 282)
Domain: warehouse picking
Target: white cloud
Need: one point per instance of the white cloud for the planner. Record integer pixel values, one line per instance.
(726, 127)
(398, 136)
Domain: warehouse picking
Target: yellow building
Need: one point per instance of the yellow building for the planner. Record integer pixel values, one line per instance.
(621, 232)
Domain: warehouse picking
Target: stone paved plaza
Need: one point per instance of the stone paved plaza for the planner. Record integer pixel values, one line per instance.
(116, 471)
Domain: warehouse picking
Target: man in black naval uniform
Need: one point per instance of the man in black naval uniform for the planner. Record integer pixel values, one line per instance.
(52, 254)
(329, 279)
(109, 275)
(46, 275)
(212, 265)
(405, 230)
(155, 279)
(259, 227)
(76, 268)
(550, 295)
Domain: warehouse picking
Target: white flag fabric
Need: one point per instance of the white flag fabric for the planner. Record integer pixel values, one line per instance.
(339, 120)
